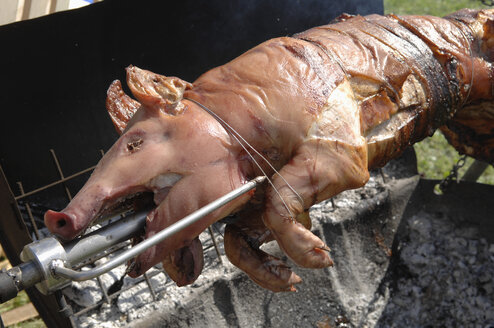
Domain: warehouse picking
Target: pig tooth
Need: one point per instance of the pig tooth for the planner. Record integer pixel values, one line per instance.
(151, 215)
(118, 203)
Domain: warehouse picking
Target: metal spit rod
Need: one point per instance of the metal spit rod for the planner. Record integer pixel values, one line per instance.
(48, 263)
(156, 239)
(38, 255)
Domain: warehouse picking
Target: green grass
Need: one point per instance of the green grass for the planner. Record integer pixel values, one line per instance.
(20, 300)
(435, 156)
(32, 323)
(435, 159)
(429, 7)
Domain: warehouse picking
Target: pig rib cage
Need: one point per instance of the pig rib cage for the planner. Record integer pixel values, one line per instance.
(51, 265)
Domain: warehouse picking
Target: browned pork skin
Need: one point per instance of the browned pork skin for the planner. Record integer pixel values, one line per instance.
(408, 76)
(323, 107)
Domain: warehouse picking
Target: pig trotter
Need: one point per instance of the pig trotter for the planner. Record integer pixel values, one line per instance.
(301, 245)
(188, 194)
(242, 249)
(184, 265)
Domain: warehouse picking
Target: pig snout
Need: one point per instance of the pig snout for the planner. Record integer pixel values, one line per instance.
(61, 224)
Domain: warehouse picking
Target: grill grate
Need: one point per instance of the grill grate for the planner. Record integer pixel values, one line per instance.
(32, 213)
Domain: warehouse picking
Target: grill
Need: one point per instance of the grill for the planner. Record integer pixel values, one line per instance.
(29, 215)
(367, 228)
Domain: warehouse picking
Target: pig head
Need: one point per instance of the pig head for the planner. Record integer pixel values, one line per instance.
(168, 148)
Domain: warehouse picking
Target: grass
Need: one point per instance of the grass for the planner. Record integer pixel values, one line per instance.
(430, 7)
(20, 300)
(435, 159)
(435, 156)
(32, 323)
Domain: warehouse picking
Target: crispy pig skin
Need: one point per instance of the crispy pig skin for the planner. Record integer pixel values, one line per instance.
(408, 75)
(412, 74)
(323, 107)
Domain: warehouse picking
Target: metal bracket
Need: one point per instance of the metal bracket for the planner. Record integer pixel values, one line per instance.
(42, 253)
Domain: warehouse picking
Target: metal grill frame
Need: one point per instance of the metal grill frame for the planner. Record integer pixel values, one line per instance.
(15, 234)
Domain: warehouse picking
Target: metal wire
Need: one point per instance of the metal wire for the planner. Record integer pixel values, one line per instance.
(117, 293)
(29, 212)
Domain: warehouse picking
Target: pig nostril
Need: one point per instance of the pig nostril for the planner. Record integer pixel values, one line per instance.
(61, 223)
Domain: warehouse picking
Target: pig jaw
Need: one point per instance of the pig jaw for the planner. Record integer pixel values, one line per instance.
(93, 202)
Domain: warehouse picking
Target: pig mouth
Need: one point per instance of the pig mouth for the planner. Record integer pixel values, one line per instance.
(146, 198)
(139, 201)
(86, 210)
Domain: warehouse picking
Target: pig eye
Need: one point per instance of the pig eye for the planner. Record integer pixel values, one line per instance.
(134, 146)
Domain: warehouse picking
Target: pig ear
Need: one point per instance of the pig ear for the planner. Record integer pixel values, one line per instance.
(120, 106)
(156, 91)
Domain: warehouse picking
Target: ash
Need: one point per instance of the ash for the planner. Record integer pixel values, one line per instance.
(135, 300)
(397, 264)
(444, 276)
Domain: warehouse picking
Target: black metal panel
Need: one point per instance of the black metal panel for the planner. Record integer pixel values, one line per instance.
(464, 201)
(56, 69)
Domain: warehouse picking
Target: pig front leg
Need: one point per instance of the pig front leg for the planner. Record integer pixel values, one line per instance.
(242, 241)
(321, 169)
